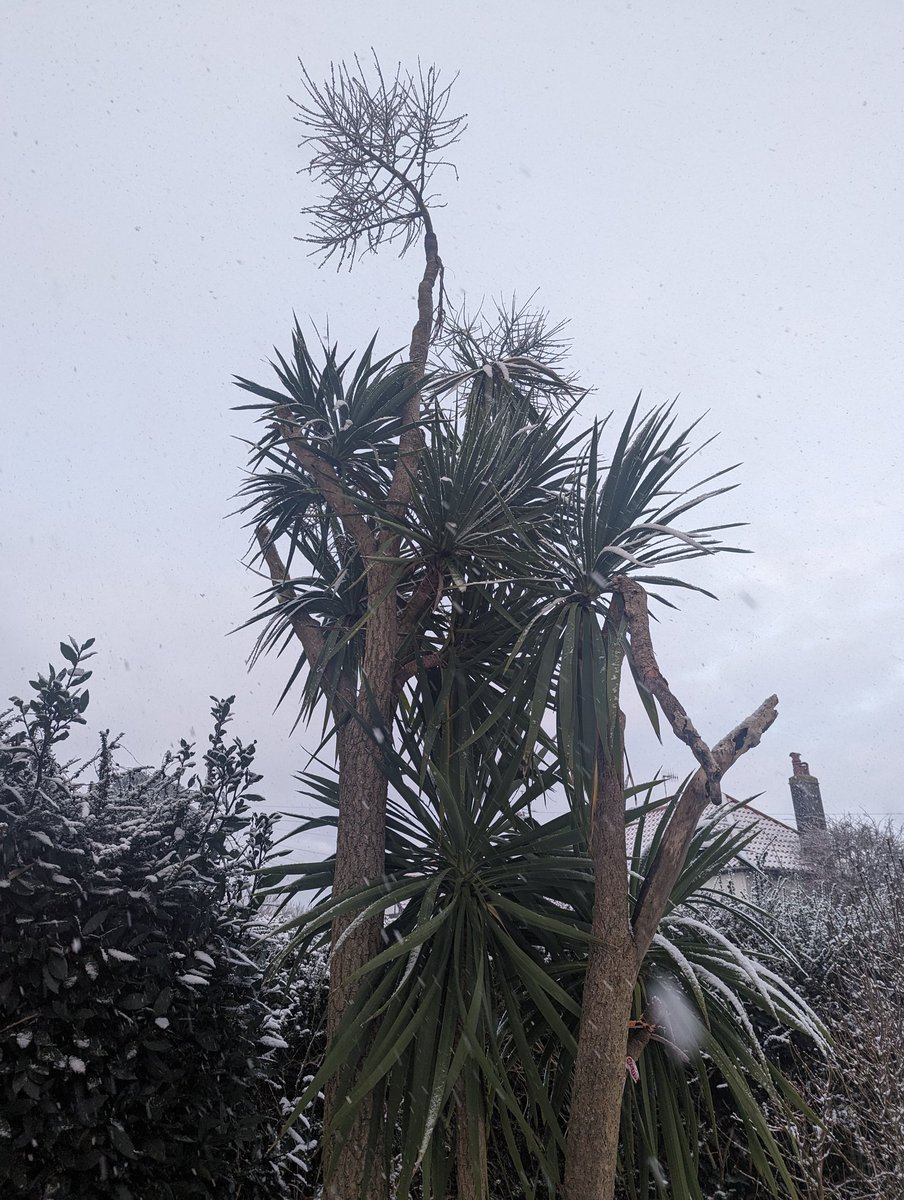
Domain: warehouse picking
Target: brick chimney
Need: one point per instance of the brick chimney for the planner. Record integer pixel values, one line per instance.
(806, 798)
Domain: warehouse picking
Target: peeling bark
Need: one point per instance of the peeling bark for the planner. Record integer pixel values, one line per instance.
(633, 600)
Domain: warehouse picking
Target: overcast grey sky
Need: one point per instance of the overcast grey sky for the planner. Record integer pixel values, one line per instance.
(710, 191)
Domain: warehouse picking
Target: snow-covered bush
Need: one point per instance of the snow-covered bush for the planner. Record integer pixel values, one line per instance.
(296, 1029)
(843, 927)
(143, 1053)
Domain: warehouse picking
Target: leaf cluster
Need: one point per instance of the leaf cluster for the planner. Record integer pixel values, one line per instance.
(512, 537)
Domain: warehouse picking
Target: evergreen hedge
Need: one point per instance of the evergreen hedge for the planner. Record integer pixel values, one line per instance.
(142, 1052)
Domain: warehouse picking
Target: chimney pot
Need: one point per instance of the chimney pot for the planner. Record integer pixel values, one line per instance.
(806, 797)
(798, 767)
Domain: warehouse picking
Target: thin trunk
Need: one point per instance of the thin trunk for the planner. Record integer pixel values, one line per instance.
(599, 1080)
(360, 857)
(470, 1150)
(591, 1155)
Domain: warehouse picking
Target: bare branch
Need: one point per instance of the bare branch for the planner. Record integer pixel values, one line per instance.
(519, 344)
(410, 669)
(669, 859)
(424, 599)
(377, 144)
(640, 650)
(306, 629)
(328, 482)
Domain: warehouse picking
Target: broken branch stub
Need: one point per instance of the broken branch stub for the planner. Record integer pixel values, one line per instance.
(633, 600)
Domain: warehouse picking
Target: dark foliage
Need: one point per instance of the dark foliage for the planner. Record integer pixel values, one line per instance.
(141, 1055)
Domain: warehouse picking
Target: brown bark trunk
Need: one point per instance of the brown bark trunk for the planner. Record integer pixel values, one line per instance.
(360, 857)
(599, 1080)
(591, 1153)
(470, 1143)
(361, 835)
(360, 850)
(617, 954)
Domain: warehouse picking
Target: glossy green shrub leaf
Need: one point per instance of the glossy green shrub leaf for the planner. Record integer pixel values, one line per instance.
(115, 1078)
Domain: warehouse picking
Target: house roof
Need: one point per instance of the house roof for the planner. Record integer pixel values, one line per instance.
(774, 846)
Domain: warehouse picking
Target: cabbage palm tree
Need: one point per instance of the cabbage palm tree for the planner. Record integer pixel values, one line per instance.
(510, 550)
(464, 572)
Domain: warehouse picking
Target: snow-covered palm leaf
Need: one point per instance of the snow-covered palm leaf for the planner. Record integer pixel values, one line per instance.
(488, 918)
(514, 357)
(352, 423)
(351, 420)
(485, 383)
(712, 1005)
(334, 594)
(488, 485)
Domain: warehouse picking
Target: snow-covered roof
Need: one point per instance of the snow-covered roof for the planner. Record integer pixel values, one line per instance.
(775, 846)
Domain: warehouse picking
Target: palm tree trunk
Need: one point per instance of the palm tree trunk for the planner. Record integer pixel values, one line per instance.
(470, 1150)
(360, 852)
(599, 1080)
(360, 857)
(591, 1154)
(361, 836)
